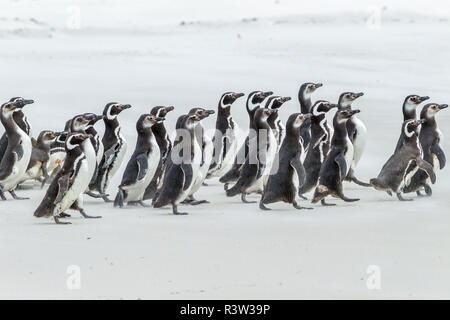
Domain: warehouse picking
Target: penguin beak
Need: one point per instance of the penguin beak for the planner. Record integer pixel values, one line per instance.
(25, 102)
(359, 94)
(443, 106)
(355, 111)
(333, 105)
(268, 93)
(22, 103)
(124, 106)
(286, 99)
(238, 95)
(424, 98)
(160, 119)
(210, 112)
(168, 109)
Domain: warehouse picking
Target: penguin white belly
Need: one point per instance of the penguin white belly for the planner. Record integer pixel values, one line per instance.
(115, 165)
(100, 152)
(91, 157)
(349, 155)
(195, 170)
(78, 187)
(228, 160)
(258, 185)
(203, 170)
(56, 159)
(20, 167)
(359, 141)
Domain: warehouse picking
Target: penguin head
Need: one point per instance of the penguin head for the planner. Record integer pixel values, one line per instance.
(79, 123)
(46, 137)
(146, 121)
(413, 100)
(228, 98)
(262, 114)
(113, 109)
(346, 99)
(411, 127)
(295, 120)
(276, 102)
(93, 118)
(321, 107)
(308, 88)
(345, 114)
(75, 139)
(255, 98)
(430, 110)
(161, 111)
(15, 104)
(201, 113)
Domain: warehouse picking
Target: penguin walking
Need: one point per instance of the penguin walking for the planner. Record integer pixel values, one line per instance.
(430, 138)
(115, 147)
(21, 120)
(258, 164)
(40, 156)
(207, 148)
(254, 101)
(18, 151)
(304, 98)
(319, 145)
(338, 161)
(275, 123)
(284, 184)
(409, 110)
(404, 163)
(357, 133)
(142, 165)
(66, 190)
(225, 140)
(182, 166)
(165, 146)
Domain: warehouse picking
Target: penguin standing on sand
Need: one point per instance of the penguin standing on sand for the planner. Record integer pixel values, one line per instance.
(165, 145)
(430, 138)
(338, 161)
(67, 188)
(261, 155)
(404, 163)
(274, 121)
(18, 152)
(207, 147)
(182, 166)
(254, 101)
(40, 156)
(319, 145)
(357, 133)
(142, 165)
(226, 142)
(304, 98)
(284, 184)
(21, 120)
(115, 146)
(409, 112)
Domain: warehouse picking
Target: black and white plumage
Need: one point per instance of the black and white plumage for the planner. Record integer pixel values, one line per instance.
(263, 147)
(57, 153)
(225, 139)
(95, 140)
(430, 138)
(115, 146)
(182, 166)
(165, 146)
(319, 145)
(142, 165)
(397, 172)
(338, 161)
(279, 130)
(283, 185)
(66, 189)
(254, 101)
(304, 98)
(18, 151)
(409, 110)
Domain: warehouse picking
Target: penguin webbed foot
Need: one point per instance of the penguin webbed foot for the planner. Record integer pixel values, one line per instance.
(325, 204)
(118, 202)
(194, 202)
(106, 198)
(400, 197)
(348, 199)
(262, 206)
(225, 186)
(64, 215)
(298, 207)
(205, 184)
(176, 212)
(57, 221)
(244, 200)
(359, 182)
(2, 194)
(16, 197)
(86, 216)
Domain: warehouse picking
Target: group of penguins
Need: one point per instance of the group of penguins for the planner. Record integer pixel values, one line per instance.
(281, 162)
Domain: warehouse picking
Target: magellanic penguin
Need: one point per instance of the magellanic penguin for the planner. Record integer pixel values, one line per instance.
(284, 184)
(275, 102)
(40, 156)
(254, 101)
(338, 161)
(430, 138)
(319, 145)
(404, 163)
(142, 165)
(225, 139)
(304, 98)
(182, 166)
(261, 155)
(357, 132)
(115, 146)
(18, 152)
(207, 148)
(67, 188)
(165, 146)
(21, 120)
(409, 110)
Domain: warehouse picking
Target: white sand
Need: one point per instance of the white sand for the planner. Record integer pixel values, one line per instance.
(226, 249)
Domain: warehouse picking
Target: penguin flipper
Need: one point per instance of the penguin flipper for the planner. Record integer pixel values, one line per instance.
(142, 163)
(340, 161)
(428, 168)
(439, 153)
(109, 155)
(19, 151)
(299, 169)
(188, 175)
(63, 186)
